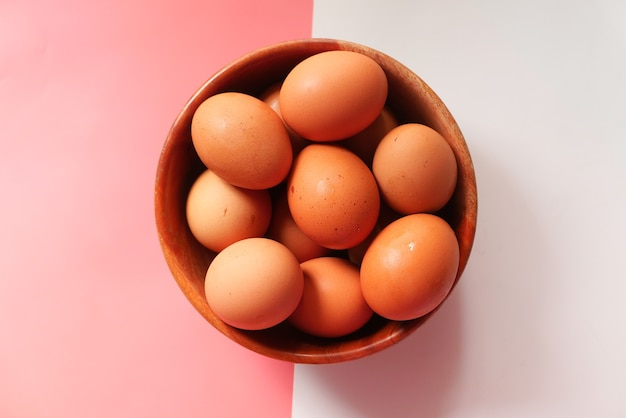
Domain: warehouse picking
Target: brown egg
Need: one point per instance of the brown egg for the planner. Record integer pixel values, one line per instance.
(332, 196)
(332, 303)
(241, 139)
(415, 168)
(333, 95)
(385, 217)
(254, 284)
(220, 214)
(270, 96)
(410, 267)
(284, 230)
(365, 142)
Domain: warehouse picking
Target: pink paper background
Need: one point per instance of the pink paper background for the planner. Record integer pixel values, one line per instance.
(91, 322)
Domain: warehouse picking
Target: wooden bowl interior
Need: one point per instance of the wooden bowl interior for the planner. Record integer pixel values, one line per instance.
(410, 99)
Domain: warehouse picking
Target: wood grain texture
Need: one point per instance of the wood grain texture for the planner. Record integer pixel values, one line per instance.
(410, 99)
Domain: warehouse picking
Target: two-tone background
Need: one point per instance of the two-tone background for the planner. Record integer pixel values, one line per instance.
(93, 326)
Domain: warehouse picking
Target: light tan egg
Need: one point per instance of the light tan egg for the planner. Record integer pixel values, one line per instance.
(219, 214)
(254, 284)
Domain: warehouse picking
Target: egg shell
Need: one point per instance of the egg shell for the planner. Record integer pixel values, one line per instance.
(271, 97)
(410, 267)
(219, 214)
(332, 196)
(332, 303)
(365, 142)
(242, 140)
(254, 284)
(386, 216)
(333, 95)
(284, 230)
(415, 169)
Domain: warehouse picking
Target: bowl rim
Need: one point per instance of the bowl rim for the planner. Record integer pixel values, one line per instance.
(397, 330)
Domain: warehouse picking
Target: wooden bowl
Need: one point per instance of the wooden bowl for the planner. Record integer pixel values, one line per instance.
(410, 99)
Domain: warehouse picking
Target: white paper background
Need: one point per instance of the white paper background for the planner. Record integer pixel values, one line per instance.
(537, 327)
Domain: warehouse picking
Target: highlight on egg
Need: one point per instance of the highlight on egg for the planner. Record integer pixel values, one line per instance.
(410, 267)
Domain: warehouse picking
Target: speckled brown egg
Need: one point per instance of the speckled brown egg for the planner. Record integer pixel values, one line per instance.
(332, 196)
(242, 140)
